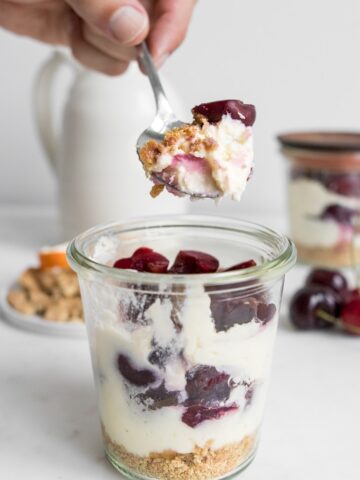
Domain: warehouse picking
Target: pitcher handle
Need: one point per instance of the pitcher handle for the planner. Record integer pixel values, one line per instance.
(43, 106)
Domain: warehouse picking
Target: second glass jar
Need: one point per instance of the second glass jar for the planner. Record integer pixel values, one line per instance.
(324, 196)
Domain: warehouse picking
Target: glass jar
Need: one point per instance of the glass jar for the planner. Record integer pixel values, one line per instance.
(181, 362)
(324, 195)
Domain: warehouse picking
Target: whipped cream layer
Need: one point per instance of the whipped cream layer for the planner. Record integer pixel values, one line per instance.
(216, 159)
(307, 201)
(244, 351)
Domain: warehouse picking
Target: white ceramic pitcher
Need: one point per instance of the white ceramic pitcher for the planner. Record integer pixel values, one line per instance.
(92, 153)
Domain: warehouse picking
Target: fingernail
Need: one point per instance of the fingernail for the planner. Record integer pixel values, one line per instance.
(127, 23)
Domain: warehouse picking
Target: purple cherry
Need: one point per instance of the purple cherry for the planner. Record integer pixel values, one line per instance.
(332, 279)
(140, 378)
(237, 109)
(338, 213)
(206, 385)
(307, 304)
(192, 261)
(199, 413)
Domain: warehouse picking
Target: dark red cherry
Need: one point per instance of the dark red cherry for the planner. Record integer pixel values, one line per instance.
(237, 109)
(142, 251)
(348, 185)
(134, 308)
(197, 414)
(265, 312)
(242, 265)
(350, 315)
(124, 263)
(144, 260)
(206, 385)
(338, 213)
(308, 303)
(192, 261)
(140, 378)
(155, 398)
(351, 295)
(229, 310)
(328, 278)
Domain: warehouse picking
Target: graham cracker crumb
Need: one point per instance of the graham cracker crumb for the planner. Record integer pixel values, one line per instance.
(156, 190)
(209, 144)
(184, 138)
(149, 153)
(339, 256)
(201, 464)
(199, 118)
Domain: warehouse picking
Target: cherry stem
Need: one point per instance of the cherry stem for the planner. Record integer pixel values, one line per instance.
(326, 316)
(336, 321)
(353, 329)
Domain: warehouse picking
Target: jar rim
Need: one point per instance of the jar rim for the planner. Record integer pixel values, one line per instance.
(270, 269)
(322, 141)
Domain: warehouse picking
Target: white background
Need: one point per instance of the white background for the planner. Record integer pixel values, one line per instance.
(298, 61)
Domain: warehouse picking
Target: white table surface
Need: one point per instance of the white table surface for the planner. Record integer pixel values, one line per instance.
(49, 428)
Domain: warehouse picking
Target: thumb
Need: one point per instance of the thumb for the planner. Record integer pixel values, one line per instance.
(125, 21)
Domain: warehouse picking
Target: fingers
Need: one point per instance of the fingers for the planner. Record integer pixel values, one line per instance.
(105, 44)
(124, 21)
(92, 57)
(103, 40)
(102, 33)
(171, 19)
(45, 21)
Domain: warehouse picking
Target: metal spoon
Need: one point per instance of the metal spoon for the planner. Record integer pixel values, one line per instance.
(164, 120)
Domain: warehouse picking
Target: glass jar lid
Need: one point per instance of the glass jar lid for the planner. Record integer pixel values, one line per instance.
(322, 150)
(322, 141)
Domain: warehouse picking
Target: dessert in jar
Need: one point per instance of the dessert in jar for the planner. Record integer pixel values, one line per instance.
(181, 314)
(324, 195)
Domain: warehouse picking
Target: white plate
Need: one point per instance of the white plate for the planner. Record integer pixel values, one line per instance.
(35, 323)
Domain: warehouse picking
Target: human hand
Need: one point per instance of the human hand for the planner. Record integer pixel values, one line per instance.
(102, 34)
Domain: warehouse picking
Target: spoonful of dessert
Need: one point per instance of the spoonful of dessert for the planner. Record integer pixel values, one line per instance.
(208, 158)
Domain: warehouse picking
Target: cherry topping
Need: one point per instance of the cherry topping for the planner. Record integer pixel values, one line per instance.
(338, 213)
(307, 304)
(205, 384)
(124, 263)
(242, 265)
(144, 260)
(199, 413)
(328, 278)
(140, 378)
(237, 109)
(191, 261)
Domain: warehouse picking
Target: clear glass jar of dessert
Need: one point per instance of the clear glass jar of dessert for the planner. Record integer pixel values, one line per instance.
(324, 195)
(181, 361)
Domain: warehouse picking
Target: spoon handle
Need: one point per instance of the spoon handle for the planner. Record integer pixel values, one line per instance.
(162, 103)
